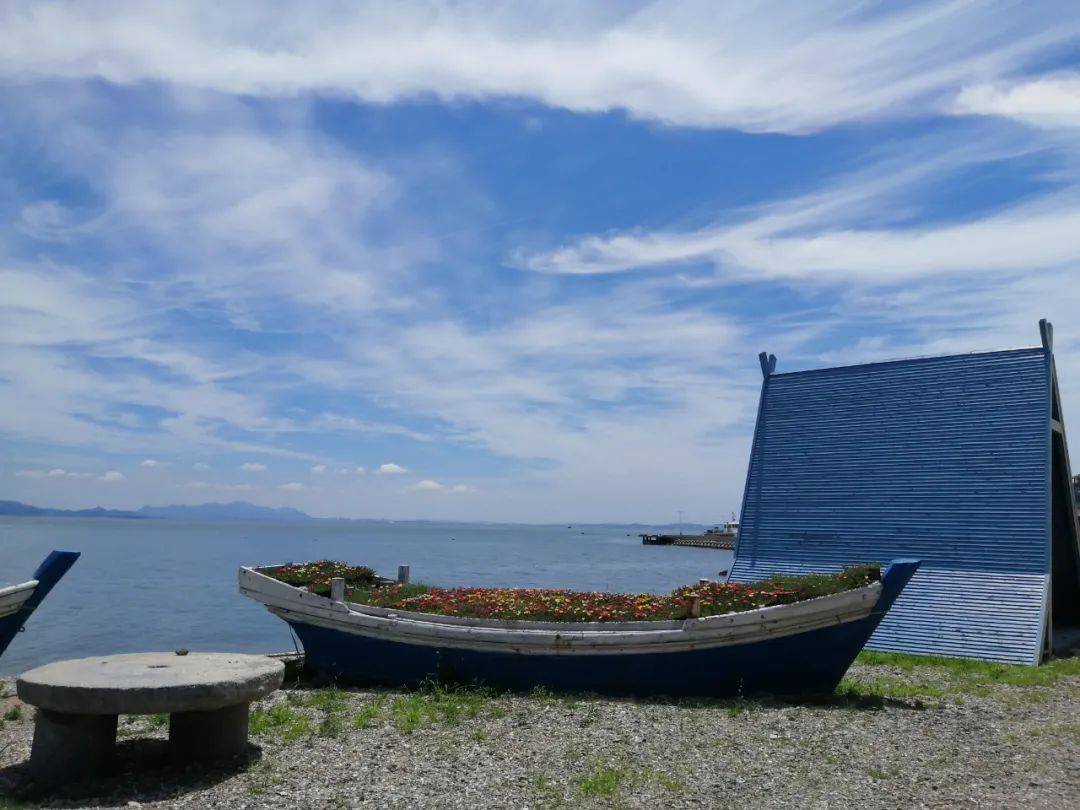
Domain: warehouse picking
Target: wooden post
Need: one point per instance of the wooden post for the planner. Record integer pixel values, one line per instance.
(695, 607)
(337, 589)
(403, 574)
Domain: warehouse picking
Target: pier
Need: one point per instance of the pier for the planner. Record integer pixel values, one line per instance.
(721, 541)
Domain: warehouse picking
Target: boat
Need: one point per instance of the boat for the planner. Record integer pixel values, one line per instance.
(17, 602)
(797, 648)
(729, 529)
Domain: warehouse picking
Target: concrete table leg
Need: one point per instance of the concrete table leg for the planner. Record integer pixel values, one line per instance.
(217, 734)
(71, 747)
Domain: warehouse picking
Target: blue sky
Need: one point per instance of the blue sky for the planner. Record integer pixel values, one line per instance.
(503, 261)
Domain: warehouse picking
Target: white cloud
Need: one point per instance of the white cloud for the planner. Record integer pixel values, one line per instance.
(293, 486)
(820, 238)
(428, 485)
(149, 462)
(770, 66)
(318, 469)
(113, 476)
(200, 465)
(391, 469)
(56, 472)
(1047, 101)
(253, 466)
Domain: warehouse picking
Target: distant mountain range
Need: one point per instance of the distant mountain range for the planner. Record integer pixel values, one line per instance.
(237, 510)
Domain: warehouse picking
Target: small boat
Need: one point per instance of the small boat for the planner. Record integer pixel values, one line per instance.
(17, 602)
(801, 647)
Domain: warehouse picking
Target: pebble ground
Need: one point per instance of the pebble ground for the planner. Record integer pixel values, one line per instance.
(893, 737)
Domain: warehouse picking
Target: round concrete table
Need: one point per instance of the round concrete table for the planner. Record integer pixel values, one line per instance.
(206, 695)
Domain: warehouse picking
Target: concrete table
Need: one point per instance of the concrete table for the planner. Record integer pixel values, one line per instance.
(207, 696)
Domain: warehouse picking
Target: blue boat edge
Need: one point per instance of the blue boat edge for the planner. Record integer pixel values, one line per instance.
(48, 574)
(811, 662)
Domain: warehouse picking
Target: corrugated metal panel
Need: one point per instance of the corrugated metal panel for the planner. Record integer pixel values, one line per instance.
(945, 459)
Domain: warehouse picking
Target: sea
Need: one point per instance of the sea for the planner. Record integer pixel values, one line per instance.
(144, 585)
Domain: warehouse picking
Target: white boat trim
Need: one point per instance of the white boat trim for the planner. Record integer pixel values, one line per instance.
(558, 638)
(13, 597)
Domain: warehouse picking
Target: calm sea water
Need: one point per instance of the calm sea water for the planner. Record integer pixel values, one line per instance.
(159, 585)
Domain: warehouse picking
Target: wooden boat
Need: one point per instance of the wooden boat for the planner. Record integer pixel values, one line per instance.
(17, 602)
(803, 647)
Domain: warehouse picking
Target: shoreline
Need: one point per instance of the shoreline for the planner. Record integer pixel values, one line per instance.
(898, 732)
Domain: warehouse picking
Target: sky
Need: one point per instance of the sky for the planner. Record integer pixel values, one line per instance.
(482, 261)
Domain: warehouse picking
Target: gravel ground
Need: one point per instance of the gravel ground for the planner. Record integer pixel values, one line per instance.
(892, 737)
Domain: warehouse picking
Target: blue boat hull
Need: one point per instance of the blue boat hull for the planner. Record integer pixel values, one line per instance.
(807, 662)
(50, 572)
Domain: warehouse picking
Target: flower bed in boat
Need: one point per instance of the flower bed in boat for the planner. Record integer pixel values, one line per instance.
(533, 604)
(316, 576)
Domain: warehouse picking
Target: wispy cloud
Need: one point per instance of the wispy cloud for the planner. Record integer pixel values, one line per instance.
(1044, 101)
(819, 238)
(253, 466)
(767, 66)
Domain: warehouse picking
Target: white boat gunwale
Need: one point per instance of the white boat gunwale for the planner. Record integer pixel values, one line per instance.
(545, 638)
(13, 597)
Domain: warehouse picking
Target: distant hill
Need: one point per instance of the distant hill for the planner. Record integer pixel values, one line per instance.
(237, 510)
(16, 508)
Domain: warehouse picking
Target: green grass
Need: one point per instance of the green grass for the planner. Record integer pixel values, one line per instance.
(14, 713)
(437, 703)
(602, 782)
(369, 713)
(281, 721)
(961, 675)
(332, 725)
(262, 777)
(326, 700)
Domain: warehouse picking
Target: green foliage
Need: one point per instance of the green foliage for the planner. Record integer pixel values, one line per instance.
(14, 713)
(326, 700)
(369, 713)
(971, 676)
(281, 721)
(437, 703)
(602, 782)
(316, 575)
(332, 725)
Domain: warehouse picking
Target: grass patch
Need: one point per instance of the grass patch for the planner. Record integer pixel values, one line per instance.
(370, 713)
(438, 703)
(875, 692)
(282, 722)
(332, 725)
(14, 713)
(326, 700)
(962, 675)
(262, 777)
(602, 782)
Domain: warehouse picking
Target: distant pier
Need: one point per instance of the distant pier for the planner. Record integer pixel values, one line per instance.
(721, 541)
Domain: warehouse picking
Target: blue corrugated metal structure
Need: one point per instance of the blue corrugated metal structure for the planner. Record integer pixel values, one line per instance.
(959, 461)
